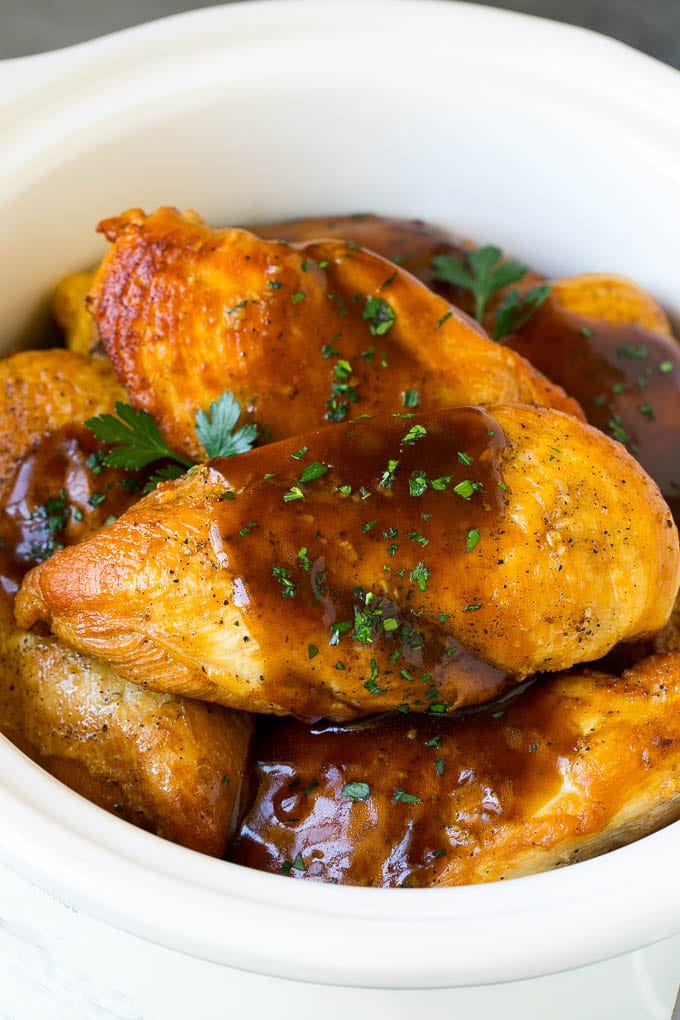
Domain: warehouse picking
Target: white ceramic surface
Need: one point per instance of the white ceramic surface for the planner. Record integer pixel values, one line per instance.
(557, 144)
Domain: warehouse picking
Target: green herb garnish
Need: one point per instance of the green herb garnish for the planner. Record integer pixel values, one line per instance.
(486, 274)
(400, 797)
(380, 316)
(515, 311)
(356, 791)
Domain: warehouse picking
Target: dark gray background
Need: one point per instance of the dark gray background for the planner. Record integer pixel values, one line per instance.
(30, 26)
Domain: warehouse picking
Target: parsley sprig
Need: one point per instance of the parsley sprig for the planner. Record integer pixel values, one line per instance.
(515, 311)
(487, 273)
(216, 428)
(137, 442)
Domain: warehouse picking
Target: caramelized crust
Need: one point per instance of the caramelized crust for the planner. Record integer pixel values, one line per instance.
(300, 334)
(170, 765)
(573, 767)
(426, 562)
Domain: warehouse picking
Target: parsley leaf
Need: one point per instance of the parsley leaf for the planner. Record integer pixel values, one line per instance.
(380, 316)
(356, 791)
(137, 438)
(405, 798)
(487, 273)
(216, 428)
(137, 441)
(515, 311)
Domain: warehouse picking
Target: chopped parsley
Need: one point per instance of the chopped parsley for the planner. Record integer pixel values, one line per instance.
(282, 575)
(420, 574)
(400, 797)
(295, 492)
(313, 471)
(356, 791)
(380, 316)
(472, 539)
(415, 433)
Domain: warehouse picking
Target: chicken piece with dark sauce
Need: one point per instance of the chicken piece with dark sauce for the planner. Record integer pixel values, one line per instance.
(423, 562)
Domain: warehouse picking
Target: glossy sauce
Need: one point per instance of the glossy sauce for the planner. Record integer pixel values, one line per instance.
(418, 801)
(366, 569)
(506, 761)
(60, 494)
(626, 379)
(612, 370)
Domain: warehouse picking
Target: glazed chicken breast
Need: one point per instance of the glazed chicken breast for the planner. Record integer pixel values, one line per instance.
(600, 336)
(168, 764)
(301, 334)
(574, 766)
(420, 562)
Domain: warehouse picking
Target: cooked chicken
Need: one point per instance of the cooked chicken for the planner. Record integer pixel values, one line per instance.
(411, 244)
(69, 310)
(300, 334)
(168, 764)
(574, 766)
(600, 336)
(42, 391)
(54, 488)
(426, 562)
(594, 337)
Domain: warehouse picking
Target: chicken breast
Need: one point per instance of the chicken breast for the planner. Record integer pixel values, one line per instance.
(301, 334)
(574, 766)
(419, 561)
(410, 244)
(600, 336)
(168, 764)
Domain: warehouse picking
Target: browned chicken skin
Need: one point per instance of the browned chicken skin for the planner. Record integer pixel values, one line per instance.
(168, 764)
(426, 561)
(574, 766)
(300, 334)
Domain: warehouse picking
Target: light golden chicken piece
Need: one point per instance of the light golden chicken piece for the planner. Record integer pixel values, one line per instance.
(70, 312)
(170, 765)
(574, 766)
(611, 298)
(422, 562)
(159, 761)
(300, 334)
